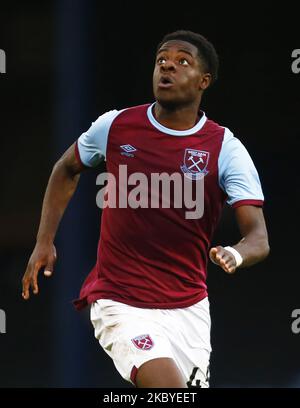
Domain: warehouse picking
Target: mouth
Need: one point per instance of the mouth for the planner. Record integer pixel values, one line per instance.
(165, 82)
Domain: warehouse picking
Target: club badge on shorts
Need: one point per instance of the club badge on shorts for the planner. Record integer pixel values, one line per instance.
(143, 342)
(195, 163)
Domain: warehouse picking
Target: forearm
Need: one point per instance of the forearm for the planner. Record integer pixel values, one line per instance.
(253, 248)
(61, 187)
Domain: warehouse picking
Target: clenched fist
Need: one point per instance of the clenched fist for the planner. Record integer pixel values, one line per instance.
(225, 259)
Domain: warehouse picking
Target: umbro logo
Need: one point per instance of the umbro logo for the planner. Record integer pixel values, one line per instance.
(128, 150)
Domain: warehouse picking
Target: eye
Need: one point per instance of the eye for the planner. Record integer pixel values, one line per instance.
(183, 61)
(161, 60)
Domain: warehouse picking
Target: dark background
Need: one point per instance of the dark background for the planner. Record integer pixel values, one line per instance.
(70, 61)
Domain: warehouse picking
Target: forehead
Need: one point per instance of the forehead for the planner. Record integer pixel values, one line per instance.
(179, 45)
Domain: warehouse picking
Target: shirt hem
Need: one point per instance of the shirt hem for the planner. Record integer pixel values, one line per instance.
(81, 303)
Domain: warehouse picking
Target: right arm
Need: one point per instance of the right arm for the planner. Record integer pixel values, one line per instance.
(61, 187)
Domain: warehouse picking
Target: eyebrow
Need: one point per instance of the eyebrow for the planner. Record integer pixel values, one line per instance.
(180, 50)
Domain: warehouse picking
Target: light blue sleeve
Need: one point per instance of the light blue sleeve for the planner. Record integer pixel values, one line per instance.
(238, 176)
(92, 143)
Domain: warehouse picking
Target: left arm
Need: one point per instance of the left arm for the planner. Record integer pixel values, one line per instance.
(253, 247)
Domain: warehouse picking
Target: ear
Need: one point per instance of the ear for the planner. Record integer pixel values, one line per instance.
(205, 81)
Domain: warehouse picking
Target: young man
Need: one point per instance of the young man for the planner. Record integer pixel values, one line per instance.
(148, 296)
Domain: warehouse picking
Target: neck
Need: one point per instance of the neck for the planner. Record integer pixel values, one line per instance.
(181, 118)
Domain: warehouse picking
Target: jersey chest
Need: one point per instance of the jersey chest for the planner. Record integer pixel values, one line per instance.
(144, 150)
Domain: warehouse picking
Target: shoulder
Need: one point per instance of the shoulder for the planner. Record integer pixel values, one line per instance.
(232, 145)
(230, 141)
(133, 113)
(213, 124)
(113, 113)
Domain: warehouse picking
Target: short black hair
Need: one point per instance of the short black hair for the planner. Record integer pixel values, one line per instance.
(206, 50)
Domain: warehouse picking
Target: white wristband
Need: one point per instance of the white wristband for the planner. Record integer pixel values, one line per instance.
(236, 254)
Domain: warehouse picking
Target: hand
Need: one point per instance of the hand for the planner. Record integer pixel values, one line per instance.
(42, 255)
(223, 258)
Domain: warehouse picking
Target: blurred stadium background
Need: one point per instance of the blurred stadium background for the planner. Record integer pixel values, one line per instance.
(68, 62)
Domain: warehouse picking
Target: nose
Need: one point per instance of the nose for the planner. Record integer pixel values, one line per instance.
(169, 65)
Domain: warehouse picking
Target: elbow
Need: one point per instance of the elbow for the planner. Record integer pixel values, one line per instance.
(58, 166)
(265, 249)
(62, 168)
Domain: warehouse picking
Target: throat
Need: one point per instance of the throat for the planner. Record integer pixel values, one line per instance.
(179, 119)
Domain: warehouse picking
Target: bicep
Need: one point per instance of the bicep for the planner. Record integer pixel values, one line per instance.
(238, 176)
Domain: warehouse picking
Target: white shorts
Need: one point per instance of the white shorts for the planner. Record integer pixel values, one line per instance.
(131, 336)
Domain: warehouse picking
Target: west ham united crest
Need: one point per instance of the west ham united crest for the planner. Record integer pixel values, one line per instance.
(143, 342)
(195, 163)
